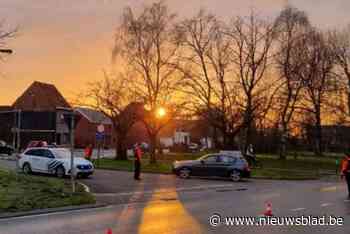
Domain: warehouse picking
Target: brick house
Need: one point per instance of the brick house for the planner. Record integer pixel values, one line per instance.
(86, 128)
(40, 112)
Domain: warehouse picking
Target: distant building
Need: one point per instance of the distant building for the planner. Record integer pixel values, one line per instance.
(42, 112)
(85, 132)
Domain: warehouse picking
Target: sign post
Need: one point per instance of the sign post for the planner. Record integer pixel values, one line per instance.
(72, 170)
(99, 139)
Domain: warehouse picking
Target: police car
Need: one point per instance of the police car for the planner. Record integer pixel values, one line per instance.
(54, 161)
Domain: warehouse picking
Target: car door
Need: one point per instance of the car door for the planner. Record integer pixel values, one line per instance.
(46, 158)
(207, 166)
(224, 165)
(34, 156)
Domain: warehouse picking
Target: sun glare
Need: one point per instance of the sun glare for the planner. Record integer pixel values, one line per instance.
(161, 112)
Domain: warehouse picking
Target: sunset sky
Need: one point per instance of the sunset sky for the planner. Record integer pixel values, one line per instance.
(68, 42)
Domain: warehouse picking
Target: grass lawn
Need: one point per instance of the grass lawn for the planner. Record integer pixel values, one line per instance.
(302, 167)
(24, 193)
(128, 165)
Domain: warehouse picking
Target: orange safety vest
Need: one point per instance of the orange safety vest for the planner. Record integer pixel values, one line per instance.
(88, 152)
(345, 166)
(138, 153)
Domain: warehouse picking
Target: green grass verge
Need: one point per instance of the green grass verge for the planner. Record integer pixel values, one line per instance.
(273, 168)
(128, 165)
(24, 193)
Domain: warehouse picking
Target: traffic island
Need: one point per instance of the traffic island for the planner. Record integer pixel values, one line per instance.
(22, 193)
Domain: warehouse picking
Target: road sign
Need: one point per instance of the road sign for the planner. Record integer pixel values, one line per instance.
(100, 136)
(100, 128)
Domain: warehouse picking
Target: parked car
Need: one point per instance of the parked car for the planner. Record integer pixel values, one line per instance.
(5, 148)
(234, 167)
(53, 161)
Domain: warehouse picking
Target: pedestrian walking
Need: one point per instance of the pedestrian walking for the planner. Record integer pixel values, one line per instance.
(345, 171)
(251, 155)
(137, 163)
(88, 152)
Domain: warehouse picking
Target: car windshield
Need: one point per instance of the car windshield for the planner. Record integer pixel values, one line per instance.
(62, 153)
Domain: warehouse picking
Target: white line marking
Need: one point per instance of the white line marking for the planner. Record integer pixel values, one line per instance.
(325, 204)
(298, 209)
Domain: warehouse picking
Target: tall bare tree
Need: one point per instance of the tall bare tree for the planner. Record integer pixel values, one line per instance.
(318, 79)
(114, 97)
(147, 44)
(205, 67)
(252, 40)
(340, 41)
(291, 27)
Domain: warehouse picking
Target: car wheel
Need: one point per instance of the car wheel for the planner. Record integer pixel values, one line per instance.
(85, 176)
(60, 172)
(184, 173)
(235, 176)
(27, 169)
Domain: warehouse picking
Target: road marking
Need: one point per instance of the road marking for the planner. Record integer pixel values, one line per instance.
(170, 190)
(329, 189)
(298, 209)
(347, 200)
(326, 204)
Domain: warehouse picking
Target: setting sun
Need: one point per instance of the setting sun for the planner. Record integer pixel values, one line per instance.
(161, 112)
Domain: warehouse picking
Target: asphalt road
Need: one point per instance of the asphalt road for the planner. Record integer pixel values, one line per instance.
(171, 205)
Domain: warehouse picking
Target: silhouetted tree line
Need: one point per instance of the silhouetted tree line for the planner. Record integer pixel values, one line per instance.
(270, 83)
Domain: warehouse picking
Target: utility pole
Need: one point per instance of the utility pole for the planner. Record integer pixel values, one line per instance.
(19, 119)
(72, 167)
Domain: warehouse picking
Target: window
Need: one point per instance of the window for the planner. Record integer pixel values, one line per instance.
(34, 152)
(227, 159)
(47, 153)
(210, 159)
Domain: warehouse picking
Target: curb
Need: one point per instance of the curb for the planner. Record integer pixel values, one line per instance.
(86, 188)
(49, 211)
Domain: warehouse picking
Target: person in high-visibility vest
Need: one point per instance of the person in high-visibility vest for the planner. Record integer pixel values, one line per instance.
(88, 152)
(137, 163)
(345, 171)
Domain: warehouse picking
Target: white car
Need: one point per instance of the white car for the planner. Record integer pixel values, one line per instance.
(53, 161)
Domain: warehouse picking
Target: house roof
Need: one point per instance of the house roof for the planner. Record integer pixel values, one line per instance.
(5, 108)
(94, 116)
(41, 97)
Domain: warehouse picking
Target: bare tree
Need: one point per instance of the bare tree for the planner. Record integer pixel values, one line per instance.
(5, 36)
(318, 79)
(205, 67)
(147, 44)
(291, 26)
(114, 97)
(252, 40)
(340, 41)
